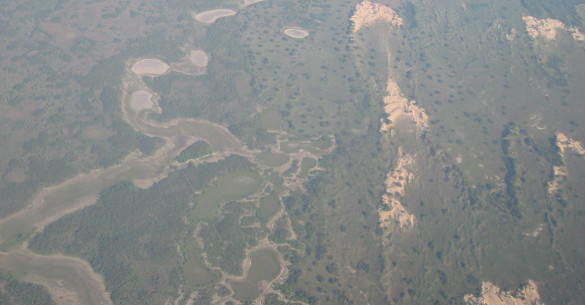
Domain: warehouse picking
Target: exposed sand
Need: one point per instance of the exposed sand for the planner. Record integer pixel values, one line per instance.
(559, 176)
(560, 172)
(397, 106)
(141, 100)
(250, 2)
(396, 181)
(150, 66)
(296, 33)
(210, 17)
(512, 35)
(199, 58)
(564, 142)
(366, 13)
(536, 231)
(493, 295)
(548, 28)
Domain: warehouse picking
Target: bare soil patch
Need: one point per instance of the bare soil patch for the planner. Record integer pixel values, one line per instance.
(397, 106)
(199, 58)
(296, 33)
(396, 180)
(548, 28)
(368, 13)
(141, 100)
(210, 17)
(493, 295)
(149, 66)
(249, 2)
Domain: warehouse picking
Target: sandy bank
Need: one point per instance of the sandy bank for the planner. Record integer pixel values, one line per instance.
(548, 28)
(296, 33)
(366, 13)
(493, 295)
(397, 106)
(210, 17)
(150, 66)
(396, 180)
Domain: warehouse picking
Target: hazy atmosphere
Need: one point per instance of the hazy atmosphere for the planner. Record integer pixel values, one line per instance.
(292, 152)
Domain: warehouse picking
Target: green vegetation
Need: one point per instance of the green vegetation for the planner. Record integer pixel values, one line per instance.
(195, 272)
(306, 165)
(194, 151)
(272, 159)
(15, 292)
(479, 192)
(235, 185)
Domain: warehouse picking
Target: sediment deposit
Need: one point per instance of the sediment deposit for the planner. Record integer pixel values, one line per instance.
(397, 106)
(367, 13)
(392, 209)
(493, 295)
(548, 28)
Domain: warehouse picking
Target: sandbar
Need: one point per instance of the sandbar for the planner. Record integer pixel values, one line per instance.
(141, 100)
(211, 16)
(199, 58)
(296, 33)
(149, 66)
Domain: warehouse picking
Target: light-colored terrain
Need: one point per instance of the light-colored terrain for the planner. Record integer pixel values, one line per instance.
(367, 13)
(493, 295)
(296, 33)
(210, 17)
(149, 66)
(396, 181)
(548, 28)
(141, 100)
(250, 2)
(564, 143)
(199, 58)
(396, 106)
(559, 176)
